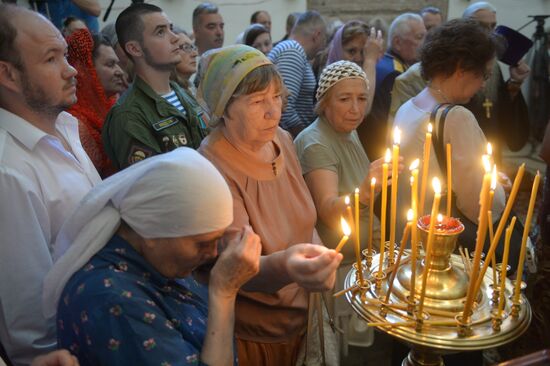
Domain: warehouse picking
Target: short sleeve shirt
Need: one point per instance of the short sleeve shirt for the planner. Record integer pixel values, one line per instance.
(319, 146)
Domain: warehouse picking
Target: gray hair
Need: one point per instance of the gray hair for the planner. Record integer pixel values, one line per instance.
(401, 26)
(430, 9)
(291, 20)
(109, 32)
(203, 8)
(475, 7)
(179, 30)
(308, 22)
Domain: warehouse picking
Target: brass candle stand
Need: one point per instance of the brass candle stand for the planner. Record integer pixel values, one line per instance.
(440, 329)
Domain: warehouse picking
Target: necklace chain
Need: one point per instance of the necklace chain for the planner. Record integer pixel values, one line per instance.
(441, 94)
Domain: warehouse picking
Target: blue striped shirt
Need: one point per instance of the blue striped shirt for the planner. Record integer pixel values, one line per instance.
(291, 61)
(173, 99)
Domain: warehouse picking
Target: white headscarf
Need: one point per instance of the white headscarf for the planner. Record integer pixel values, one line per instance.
(176, 194)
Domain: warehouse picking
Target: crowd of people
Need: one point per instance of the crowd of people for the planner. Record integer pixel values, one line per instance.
(166, 200)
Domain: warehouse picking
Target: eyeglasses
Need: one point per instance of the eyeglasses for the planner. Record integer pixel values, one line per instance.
(188, 48)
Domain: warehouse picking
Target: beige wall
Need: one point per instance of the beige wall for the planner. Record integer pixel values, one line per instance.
(236, 13)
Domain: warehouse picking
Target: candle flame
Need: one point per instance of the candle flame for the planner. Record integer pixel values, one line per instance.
(356, 190)
(397, 136)
(439, 218)
(373, 181)
(414, 165)
(430, 128)
(436, 184)
(494, 178)
(387, 157)
(345, 227)
(486, 163)
(346, 200)
(410, 214)
(489, 149)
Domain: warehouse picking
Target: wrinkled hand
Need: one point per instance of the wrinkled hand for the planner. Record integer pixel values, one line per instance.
(374, 47)
(520, 72)
(237, 263)
(312, 267)
(56, 358)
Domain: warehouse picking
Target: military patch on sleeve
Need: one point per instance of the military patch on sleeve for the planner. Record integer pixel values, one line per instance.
(165, 123)
(138, 153)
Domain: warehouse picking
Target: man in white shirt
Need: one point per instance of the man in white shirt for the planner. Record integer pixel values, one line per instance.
(44, 172)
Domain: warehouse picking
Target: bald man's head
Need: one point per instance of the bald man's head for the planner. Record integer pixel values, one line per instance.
(17, 22)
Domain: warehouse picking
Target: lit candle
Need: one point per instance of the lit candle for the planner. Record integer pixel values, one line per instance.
(414, 238)
(383, 216)
(357, 238)
(394, 178)
(414, 183)
(503, 270)
(526, 229)
(490, 219)
(349, 214)
(347, 232)
(428, 255)
(491, 236)
(439, 224)
(371, 215)
(480, 239)
(494, 176)
(425, 168)
(449, 180)
(502, 223)
(404, 239)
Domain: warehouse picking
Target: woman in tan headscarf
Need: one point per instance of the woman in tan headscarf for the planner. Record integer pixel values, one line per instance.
(244, 94)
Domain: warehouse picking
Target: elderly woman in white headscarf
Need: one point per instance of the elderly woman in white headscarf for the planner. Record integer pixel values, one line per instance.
(122, 290)
(243, 91)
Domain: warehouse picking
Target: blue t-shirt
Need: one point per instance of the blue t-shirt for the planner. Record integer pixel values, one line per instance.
(58, 10)
(118, 310)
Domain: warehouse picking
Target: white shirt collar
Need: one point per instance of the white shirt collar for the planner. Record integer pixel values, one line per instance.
(25, 132)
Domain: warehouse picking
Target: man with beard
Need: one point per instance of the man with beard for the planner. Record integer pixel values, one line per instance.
(44, 173)
(155, 115)
(208, 27)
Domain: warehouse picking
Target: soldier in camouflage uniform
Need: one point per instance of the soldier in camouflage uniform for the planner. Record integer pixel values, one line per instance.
(154, 115)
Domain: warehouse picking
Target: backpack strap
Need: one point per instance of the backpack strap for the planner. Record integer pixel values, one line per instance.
(437, 137)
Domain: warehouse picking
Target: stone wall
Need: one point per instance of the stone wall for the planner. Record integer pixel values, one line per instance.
(367, 10)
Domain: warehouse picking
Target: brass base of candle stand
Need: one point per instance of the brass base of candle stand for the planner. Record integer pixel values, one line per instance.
(438, 333)
(424, 357)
